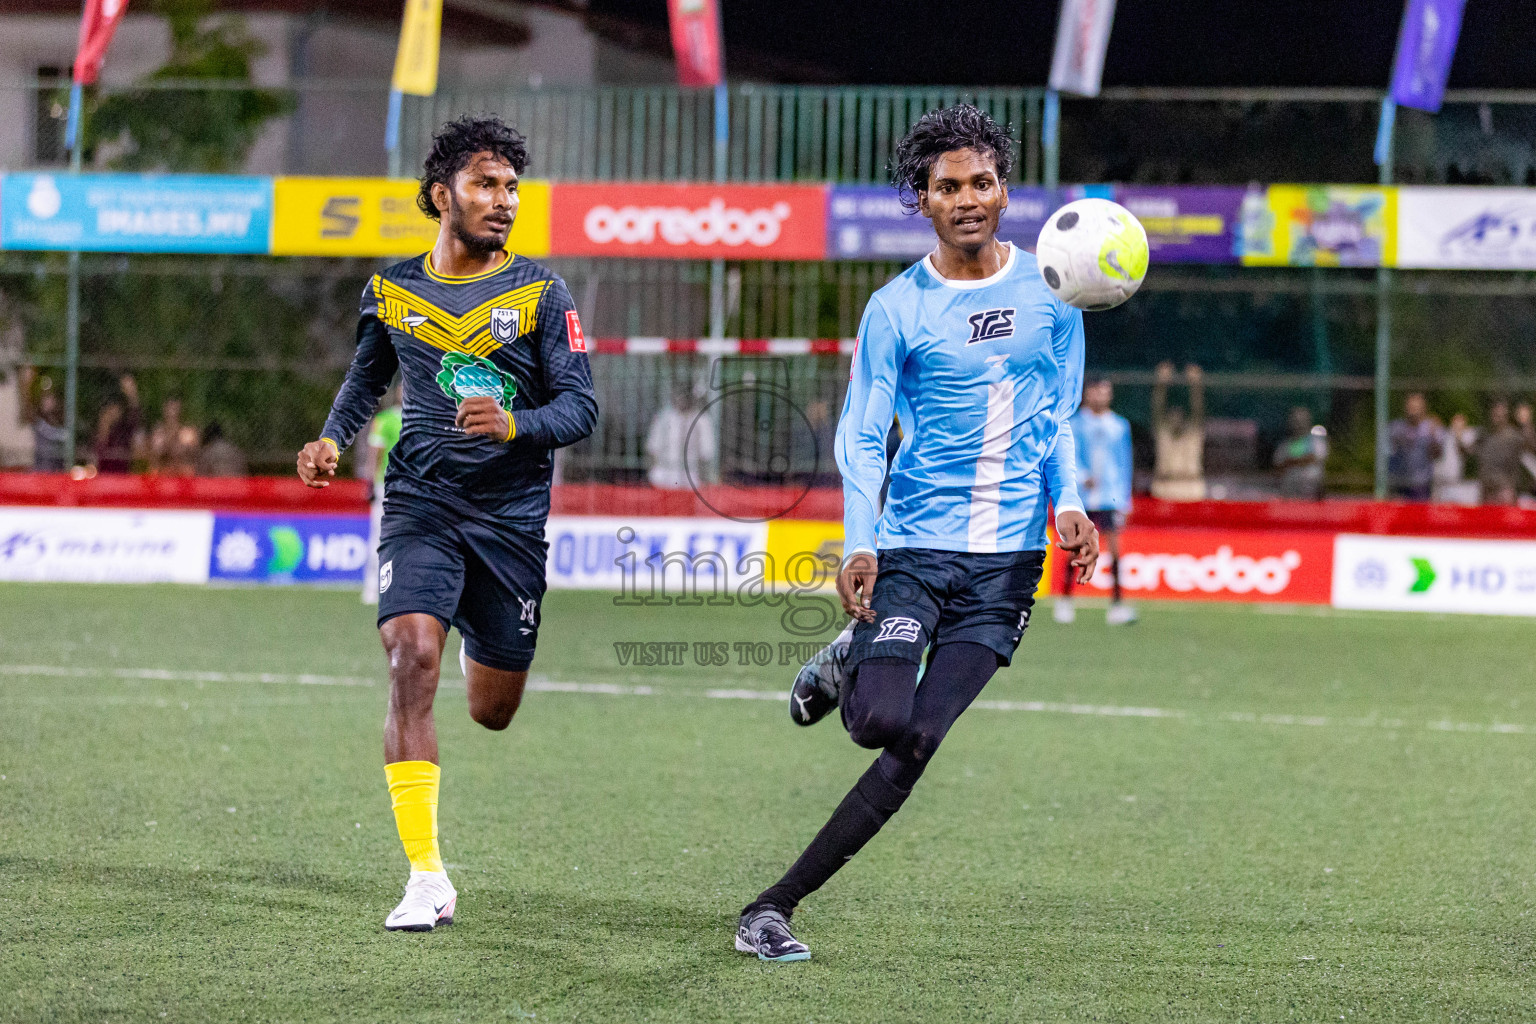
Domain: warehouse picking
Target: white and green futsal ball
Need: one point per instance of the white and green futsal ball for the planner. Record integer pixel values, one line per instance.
(1092, 254)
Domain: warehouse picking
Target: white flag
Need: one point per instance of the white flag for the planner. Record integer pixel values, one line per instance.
(1082, 36)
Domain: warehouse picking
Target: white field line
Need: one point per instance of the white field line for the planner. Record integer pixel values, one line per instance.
(540, 684)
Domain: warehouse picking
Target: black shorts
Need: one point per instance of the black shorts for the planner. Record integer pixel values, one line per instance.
(1107, 520)
(485, 578)
(927, 597)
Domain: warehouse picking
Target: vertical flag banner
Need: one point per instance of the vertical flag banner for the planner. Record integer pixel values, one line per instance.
(1082, 36)
(1425, 47)
(96, 27)
(415, 60)
(696, 41)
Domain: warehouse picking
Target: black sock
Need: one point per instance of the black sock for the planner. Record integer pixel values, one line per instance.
(878, 794)
(1114, 578)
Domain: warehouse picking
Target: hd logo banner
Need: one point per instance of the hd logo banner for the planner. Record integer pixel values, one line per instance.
(379, 217)
(288, 549)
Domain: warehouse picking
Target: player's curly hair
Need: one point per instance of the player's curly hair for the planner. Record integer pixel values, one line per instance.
(937, 132)
(457, 142)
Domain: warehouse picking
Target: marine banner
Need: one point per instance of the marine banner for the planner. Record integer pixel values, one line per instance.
(1466, 228)
(379, 217)
(99, 545)
(164, 213)
(1321, 226)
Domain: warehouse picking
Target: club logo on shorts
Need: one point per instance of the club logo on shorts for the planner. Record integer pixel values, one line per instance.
(530, 608)
(993, 323)
(899, 627)
(464, 376)
(504, 324)
(386, 575)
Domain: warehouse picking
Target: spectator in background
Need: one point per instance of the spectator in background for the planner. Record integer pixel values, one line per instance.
(172, 448)
(680, 455)
(1179, 469)
(1415, 445)
(1498, 457)
(1302, 457)
(118, 429)
(1450, 484)
(48, 435)
(219, 455)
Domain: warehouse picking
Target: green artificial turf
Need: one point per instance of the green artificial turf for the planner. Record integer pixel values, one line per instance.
(1219, 814)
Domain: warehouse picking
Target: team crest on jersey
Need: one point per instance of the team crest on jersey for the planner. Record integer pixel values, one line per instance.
(504, 325)
(991, 324)
(899, 627)
(465, 376)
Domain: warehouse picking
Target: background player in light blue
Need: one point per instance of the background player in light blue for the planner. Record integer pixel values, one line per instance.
(983, 366)
(1104, 471)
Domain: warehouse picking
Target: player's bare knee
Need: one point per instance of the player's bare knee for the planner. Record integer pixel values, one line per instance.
(495, 715)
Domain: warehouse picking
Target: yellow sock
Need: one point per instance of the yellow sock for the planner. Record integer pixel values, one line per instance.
(413, 793)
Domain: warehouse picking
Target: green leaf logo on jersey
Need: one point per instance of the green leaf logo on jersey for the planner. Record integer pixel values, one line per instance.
(464, 376)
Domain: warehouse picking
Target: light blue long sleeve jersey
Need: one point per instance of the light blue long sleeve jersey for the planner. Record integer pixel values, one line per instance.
(1104, 463)
(984, 376)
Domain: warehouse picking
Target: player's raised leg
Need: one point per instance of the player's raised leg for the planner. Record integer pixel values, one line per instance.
(414, 643)
(819, 684)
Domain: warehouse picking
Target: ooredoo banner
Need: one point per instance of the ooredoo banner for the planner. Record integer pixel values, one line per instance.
(81, 545)
(686, 221)
(1432, 574)
(1222, 565)
(1466, 228)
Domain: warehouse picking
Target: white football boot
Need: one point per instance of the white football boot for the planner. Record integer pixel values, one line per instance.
(1063, 611)
(1120, 614)
(428, 902)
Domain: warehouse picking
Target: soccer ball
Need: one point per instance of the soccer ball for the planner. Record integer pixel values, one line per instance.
(1092, 254)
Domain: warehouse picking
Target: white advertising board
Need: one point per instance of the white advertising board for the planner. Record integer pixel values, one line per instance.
(104, 545)
(645, 555)
(1466, 228)
(1487, 577)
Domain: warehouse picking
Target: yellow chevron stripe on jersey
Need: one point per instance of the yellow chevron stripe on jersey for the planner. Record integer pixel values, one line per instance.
(408, 312)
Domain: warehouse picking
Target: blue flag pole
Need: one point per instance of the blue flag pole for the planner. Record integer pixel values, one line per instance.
(1384, 131)
(392, 132)
(72, 125)
(1050, 138)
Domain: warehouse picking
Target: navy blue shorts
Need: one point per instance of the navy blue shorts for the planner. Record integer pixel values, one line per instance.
(482, 577)
(927, 597)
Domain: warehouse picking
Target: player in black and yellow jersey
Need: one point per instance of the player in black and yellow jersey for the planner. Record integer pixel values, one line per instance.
(495, 372)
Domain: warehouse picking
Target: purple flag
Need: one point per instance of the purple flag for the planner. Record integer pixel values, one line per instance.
(1425, 47)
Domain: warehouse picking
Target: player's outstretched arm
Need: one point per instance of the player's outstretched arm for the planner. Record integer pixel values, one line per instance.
(373, 367)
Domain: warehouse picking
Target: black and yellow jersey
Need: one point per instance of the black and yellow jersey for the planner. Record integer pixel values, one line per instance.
(511, 333)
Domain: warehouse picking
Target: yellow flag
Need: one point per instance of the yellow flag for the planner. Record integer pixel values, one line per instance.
(416, 60)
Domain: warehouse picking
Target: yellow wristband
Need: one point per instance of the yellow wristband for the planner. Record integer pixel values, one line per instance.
(511, 427)
(333, 444)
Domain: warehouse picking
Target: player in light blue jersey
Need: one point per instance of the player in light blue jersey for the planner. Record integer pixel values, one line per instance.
(983, 366)
(1104, 470)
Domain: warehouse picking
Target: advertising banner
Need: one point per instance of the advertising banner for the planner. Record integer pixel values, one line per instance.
(289, 549)
(805, 552)
(1466, 228)
(80, 545)
(1488, 577)
(1323, 226)
(651, 555)
(1426, 46)
(685, 221)
(1082, 36)
(379, 217)
(1187, 223)
(182, 213)
(1220, 565)
(696, 41)
(867, 222)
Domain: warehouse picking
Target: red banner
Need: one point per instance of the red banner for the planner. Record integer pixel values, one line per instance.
(96, 28)
(696, 41)
(1219, 565)
(686, 221)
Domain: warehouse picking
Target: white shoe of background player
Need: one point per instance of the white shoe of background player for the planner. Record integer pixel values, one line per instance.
(1063, 611)
(1120, 614)
(428, 902)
